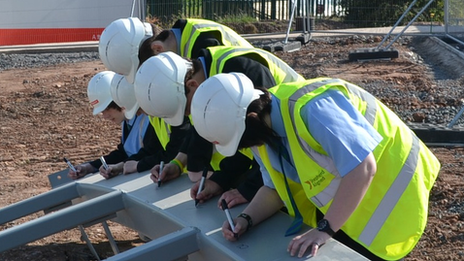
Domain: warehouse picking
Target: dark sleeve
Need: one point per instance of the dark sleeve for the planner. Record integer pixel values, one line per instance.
(180, 24)
(236, 173)
(157, 153)
(186, 142)
(113, 157)
(204, 40)
(252, 183)
(232, 171)
(258, 73)
(199, 152)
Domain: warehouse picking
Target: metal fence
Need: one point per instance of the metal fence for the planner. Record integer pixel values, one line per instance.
(454, 19)
(355, 13)
(168, 10)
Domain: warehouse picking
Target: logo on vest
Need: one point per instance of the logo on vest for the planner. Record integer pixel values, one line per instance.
(316, 181)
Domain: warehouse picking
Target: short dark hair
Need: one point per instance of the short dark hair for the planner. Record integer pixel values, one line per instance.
(196, 66)
(145, 51)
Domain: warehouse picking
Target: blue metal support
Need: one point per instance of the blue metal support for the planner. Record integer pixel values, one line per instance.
(89, 244)
(60, 196)
(64, 219)
(166, 248)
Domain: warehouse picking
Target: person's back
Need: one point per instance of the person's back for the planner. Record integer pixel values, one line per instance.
(366, 172)
(217, 59)
(188, 36)
(201, 33)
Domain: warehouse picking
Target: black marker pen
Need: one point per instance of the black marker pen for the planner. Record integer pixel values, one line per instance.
(228, 216)
(161, 170)
(202, 184)
(70, 165)
(105, 166)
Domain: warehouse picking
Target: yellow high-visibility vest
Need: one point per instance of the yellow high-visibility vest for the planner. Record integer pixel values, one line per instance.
(280, 70)
(392, 216)
(194, 27)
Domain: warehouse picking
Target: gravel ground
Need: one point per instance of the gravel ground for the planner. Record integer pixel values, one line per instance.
(17, 61)
(448, 87)
(41, 104)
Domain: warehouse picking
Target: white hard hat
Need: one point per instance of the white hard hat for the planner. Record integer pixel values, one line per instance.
(219, 108)
(159, 87)
(98, 91)
(119, 45)
(123, 95)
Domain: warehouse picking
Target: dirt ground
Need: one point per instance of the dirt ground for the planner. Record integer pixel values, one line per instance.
(45, 115)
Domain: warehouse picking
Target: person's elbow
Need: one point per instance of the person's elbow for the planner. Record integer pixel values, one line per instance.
(369, 166)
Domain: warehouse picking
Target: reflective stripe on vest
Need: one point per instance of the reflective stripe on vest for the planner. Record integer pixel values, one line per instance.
(195, 27)
(406, 170)
(280, 70)
(401, 181)
(306, 208)
(162, 130)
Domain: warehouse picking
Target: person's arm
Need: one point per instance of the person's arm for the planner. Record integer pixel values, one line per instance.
(232, 171)
(176, 139)
(199, 152)
(113, 157)
(253, 182)
(179, 134)
(245, 186)
(150, 151)
(259, 74)
(351, 191)
(204, 40)
(349, 140)
(265, 204)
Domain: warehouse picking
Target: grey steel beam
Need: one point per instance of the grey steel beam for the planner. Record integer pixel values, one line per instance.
(63, 219)
(40, 202)
(172, 246)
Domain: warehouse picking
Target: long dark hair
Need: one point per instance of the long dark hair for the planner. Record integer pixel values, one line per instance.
(257, 131)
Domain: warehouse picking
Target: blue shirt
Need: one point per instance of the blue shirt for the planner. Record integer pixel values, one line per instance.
(335, 124)
(178, 35)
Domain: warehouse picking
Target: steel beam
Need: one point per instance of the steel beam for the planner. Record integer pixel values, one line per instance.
(172, 246)
(53, 198)
(63, 219)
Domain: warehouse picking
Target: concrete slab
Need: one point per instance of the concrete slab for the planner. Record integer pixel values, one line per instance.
(280, 46)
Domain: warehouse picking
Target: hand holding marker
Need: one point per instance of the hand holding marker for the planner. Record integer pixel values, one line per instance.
(202, 184)
(159, 175)
(70, 165)
(228, 216)
(105, 166)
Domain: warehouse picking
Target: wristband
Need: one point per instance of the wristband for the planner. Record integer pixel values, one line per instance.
(248, 219)
(178, 164)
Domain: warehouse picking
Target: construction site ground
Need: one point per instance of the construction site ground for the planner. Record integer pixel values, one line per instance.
(45, 116)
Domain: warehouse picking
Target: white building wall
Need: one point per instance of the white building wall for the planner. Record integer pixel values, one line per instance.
(25, 14)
